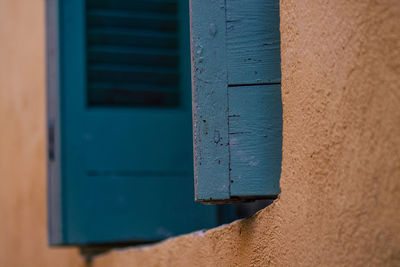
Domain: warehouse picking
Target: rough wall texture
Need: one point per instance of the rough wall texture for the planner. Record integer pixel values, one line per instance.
(340, 180)
(23, 226)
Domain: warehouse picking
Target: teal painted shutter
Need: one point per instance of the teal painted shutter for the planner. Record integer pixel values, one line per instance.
(236, 99)
(119, 111)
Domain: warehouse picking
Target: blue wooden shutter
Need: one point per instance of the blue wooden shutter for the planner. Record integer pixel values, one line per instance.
(236, 99)
(119, 111)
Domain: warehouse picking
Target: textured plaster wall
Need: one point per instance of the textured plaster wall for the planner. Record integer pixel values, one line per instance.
(23, 227)
(340, 201)
(340, 182)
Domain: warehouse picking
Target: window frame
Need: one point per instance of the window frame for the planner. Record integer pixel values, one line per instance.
(235, 50)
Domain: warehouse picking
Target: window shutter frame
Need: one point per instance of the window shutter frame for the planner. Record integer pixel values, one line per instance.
(86, 209)
(54, 199)
(210, 100)
(237, 110)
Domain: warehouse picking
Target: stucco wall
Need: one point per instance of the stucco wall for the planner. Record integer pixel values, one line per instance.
(340, 182)
(340, 201)
(23, 227)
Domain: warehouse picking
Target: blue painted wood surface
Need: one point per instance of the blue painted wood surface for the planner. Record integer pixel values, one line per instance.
(236, 72)
(132, 54)
(210, 100)
(255, 137)
(124, 174)
(253, 41)
(54, 192)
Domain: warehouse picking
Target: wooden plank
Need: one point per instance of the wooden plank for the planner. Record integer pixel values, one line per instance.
(157, 21)
(133, 56)
(54, 199)
(160, 6)
(138, 38)
(253, 41)
(255, 136)
(210, 100)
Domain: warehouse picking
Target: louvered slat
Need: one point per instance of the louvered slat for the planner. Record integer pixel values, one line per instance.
(155, 6)
(132, 74)
(133, 56)
(132, 53)
(132, 20)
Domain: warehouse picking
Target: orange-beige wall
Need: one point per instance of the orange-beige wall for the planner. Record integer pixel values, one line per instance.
(340, 200)
(23, 233)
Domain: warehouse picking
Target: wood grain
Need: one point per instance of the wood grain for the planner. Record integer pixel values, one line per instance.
(253, 41)
(210, 100)
(255, 137)
(236, 55)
